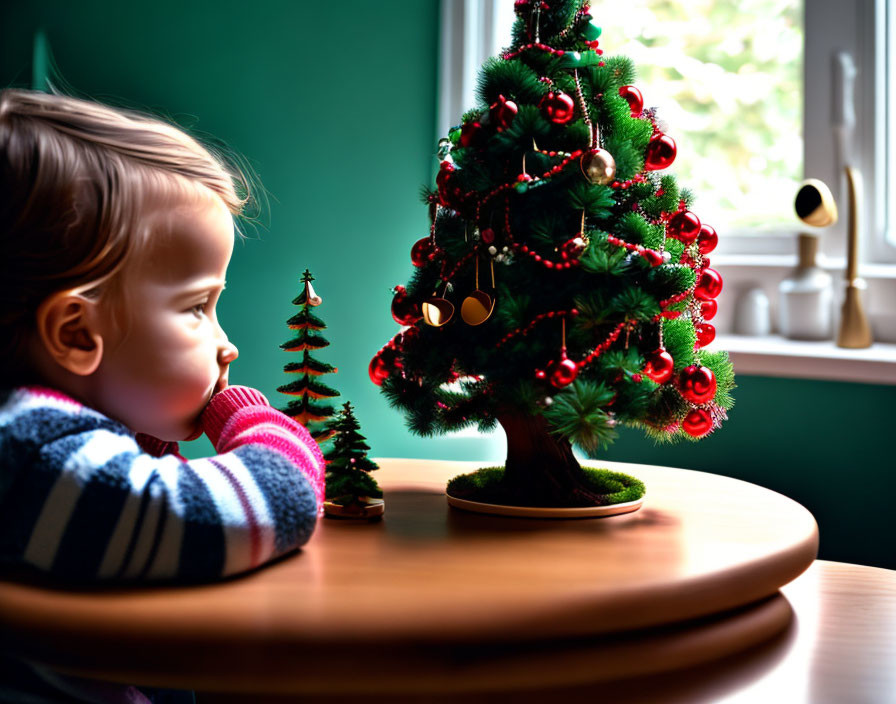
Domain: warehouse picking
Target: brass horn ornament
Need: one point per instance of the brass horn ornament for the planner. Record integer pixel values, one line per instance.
(437, 311)
(814, 203)
(478, 306)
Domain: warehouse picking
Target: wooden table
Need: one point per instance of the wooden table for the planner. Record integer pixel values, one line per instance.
(433, 601)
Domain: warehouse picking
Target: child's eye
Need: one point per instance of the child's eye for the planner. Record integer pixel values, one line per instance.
(199, 309)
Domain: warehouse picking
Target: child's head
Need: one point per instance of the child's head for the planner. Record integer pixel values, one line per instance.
(115, 234)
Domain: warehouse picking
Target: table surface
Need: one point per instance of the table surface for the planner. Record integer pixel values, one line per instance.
(452, 586)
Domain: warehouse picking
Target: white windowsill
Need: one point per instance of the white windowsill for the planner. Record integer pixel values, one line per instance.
(780, 357)
(789, 261)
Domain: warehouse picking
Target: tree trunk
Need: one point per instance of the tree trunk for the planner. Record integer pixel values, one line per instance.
(541, 469)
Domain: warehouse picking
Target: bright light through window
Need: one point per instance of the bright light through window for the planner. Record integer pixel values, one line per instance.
(726, 78)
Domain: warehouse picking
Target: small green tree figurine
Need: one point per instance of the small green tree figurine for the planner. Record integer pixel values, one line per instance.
(352, 491)
(308, 408)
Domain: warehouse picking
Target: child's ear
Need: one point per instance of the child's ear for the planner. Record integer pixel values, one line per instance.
(68, 325)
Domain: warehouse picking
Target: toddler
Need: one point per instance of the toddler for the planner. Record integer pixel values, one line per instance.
(116, 230)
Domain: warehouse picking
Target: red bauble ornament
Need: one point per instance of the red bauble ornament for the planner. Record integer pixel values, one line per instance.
(469, 133)
(404, 310)
(697, 423)
(708, 309)
(634, 99)
(380, 366)
(707, 239)
(562, 372)
(659, 366)
(697, 384)
(661, 151)
(487, 235)
(444, 175)
(709, 285)
(502, 112)
(421, 252)
(706, 333)
(557, 107)
(450, 195)
(684, 226)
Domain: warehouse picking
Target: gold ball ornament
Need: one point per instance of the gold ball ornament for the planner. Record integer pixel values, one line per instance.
(598, 166)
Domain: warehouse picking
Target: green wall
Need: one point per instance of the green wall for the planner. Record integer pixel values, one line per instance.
(334, 106)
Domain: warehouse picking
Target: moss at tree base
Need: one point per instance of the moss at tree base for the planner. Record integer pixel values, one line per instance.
(487, 486)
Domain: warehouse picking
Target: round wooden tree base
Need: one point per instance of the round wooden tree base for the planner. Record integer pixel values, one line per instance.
(542, 512)
(484, 491)
(364, 509)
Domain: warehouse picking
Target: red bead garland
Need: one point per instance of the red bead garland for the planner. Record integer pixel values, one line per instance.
(537, 319)
(625, 185)
(567, 160)
(651, 255)
(535, 45)
(603, 346)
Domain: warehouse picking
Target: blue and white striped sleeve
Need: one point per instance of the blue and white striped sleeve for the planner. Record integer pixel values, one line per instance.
(87, 503)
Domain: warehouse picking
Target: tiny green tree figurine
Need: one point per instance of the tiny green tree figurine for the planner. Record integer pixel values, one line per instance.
(352, 491)
(308, 409)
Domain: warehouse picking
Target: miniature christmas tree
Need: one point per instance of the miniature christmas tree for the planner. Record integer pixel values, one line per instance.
(308, 409)
(349, 484)
(564, 287)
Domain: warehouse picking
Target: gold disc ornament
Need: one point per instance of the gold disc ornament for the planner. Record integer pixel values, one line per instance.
(599, 166)
(478, 306)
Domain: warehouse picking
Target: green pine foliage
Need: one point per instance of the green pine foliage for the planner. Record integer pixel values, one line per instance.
(347, 465)
(522, 176)
(308, 404)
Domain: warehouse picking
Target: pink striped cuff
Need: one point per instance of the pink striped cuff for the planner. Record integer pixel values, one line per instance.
(223, 406)
(240, 415)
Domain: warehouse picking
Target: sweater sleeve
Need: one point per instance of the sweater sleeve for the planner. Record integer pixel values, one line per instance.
(93, 504)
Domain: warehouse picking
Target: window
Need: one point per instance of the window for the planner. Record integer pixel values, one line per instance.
(754, 88)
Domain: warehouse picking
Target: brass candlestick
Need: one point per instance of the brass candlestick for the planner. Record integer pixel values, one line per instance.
(815, 206)
(855, 332)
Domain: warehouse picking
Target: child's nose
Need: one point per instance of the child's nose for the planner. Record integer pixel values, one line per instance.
(227, 353)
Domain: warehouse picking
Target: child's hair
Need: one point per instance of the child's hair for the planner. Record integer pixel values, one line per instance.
(74, 176)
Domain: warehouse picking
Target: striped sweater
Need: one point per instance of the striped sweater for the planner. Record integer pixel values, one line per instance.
(82, 497)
